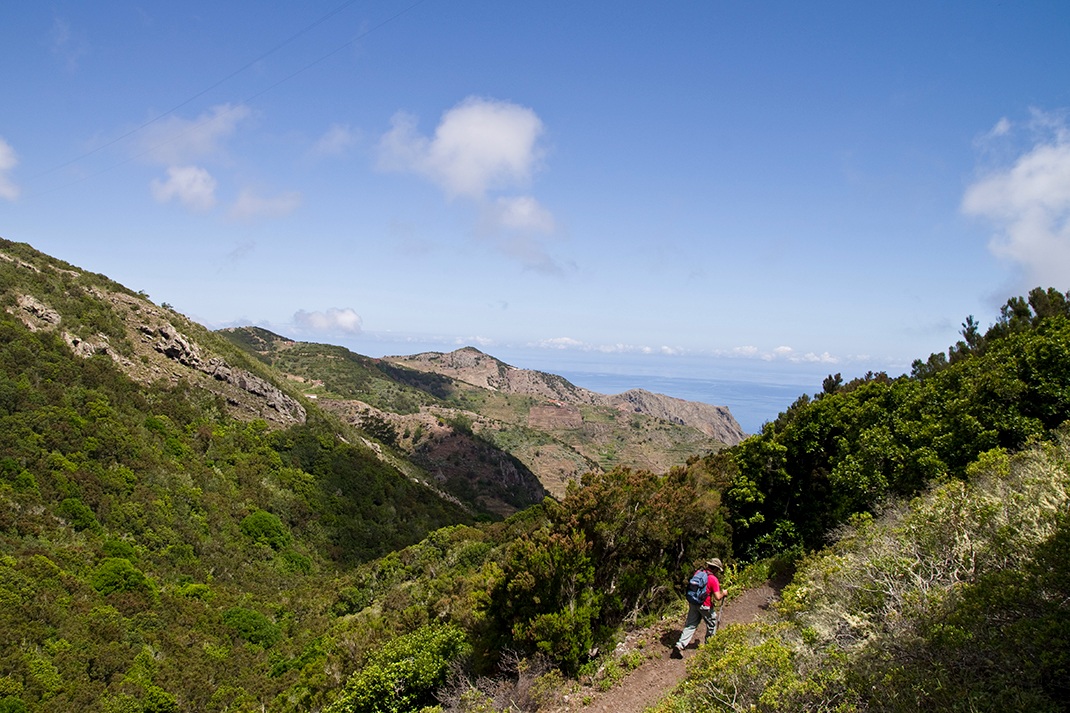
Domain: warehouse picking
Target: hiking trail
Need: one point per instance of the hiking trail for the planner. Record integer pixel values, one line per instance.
(660, 673)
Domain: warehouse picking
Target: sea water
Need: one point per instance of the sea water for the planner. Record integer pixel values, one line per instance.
(752, 403)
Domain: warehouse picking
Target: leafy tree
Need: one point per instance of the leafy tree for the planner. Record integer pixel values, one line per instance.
(612, 550)
(842, 453)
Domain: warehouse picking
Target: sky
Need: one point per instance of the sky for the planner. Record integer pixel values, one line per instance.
(763, 191)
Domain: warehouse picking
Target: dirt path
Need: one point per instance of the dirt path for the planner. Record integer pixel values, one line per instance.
(660, 673)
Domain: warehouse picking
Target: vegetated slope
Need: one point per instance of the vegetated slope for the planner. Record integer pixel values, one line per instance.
(827, 461)
(172, 520)
(637, 429)
(956, 601)
(849, 447)
(483, 428)
(419, 417)
(157, 553)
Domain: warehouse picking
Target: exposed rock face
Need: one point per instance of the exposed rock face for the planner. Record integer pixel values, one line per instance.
(36, 314)
(474, 367)
(176, 346)
(159, 347)
(715, 421)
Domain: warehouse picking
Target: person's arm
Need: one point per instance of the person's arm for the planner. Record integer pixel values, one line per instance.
(717, 593)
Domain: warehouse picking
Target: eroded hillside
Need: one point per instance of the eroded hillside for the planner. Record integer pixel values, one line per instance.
(452, 412)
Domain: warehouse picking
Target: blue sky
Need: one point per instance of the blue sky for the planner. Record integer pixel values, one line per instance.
(713, 187)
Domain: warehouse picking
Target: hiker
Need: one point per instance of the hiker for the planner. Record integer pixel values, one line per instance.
(702, 592)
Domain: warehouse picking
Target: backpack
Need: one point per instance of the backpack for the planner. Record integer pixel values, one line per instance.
(696, 587)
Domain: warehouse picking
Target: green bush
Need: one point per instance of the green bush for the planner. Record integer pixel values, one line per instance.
(12, 704)
(267, 528)
(252, 626)
(119, 548)
(194, 590)
(158, 700)
(117, 574)
(403, 675)
(78, 515)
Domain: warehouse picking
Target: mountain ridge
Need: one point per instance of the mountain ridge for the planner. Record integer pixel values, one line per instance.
(455, 414)
(475, 367)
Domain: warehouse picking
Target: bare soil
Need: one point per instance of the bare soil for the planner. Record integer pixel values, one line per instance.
(660, 672)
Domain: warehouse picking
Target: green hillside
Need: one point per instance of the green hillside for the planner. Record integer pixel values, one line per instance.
(152, 541)
(184, 528)
(955, 601)
(485, 446)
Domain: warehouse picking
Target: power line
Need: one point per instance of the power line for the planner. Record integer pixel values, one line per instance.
(225, 79)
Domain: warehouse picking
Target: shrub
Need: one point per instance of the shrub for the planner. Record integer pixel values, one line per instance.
(78, 515)
(403, 675)
(11, 704)
(194, 590)
(119, 548)
(117, 574)
(264, 527)
(252, 626)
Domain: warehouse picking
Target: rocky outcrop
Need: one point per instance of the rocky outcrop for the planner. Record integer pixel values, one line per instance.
(245, 392)
(478, 369)
(174, 345)
(36, 315)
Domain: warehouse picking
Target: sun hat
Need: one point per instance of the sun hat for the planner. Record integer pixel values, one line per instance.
(715, 563)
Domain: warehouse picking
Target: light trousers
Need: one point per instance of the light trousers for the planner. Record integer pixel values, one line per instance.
(695, 614)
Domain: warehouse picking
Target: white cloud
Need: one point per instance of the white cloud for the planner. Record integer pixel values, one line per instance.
(192, 186)
(568, 343)
(476, 341)
(336, 141)
(528, 251)
(512, 225)
(332, 321)
(250, 206)
(999, 130)
(561, 343)
(479, 145)
(518, 213)
(1028, 204)
(67, 47)
(8, 160)
(174, 140)
(822, 358)
(781, 353)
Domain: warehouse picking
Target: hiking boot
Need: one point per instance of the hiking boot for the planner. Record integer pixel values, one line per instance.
(677, 652)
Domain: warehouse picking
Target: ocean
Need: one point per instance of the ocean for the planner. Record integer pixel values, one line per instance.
(751, 403)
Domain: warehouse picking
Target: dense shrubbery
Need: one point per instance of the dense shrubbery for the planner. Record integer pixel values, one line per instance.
(855, 444)
(403, 674)
(955, 602)
(610, 551)
(121, 529)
